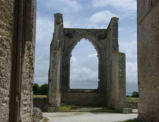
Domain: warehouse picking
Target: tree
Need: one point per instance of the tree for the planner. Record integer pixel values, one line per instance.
(135, 94)
(36, 88)
(44, 89)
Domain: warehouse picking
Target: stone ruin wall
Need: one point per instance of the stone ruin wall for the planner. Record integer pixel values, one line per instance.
(106, 43)
(148, 59)
(7, 31)
(148, 26)
(83, 98)
(6, 36)
(118, 80)
(26, 106)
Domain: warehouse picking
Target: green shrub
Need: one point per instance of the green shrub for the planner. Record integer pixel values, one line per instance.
(44, 89)
(135, 94)
(36, 89)
(40, 90)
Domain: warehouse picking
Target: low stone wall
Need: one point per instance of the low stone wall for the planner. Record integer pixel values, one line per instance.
(41, 103)
(133, 105)
(37, 114)
(83, 99)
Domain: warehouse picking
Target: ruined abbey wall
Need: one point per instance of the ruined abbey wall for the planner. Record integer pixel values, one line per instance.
(84, 98)
(6, 36)
(17, 44)
(111, 84)
(148, 59)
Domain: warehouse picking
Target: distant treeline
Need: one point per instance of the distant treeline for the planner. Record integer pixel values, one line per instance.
(43, 90)
(134, 94)
(40, 90)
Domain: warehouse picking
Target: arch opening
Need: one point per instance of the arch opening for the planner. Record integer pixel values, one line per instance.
(84, 66)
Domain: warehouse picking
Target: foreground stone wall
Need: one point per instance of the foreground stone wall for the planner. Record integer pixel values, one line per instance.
(27, 72)
(26, 107)
(6, 36)
(17, 44)
(148, 59)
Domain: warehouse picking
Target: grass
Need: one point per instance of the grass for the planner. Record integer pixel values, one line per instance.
(40, 96)
(132, 99)
(70, 108)
(45, 120)
(66, 108)
(105, 110)
(133, 120)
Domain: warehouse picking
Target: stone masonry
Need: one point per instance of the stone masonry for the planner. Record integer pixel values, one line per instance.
(17, 40)
(148, 59)
(6, 36)
(111, 87)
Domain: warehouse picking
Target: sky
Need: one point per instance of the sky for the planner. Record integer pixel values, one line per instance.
(86, 14)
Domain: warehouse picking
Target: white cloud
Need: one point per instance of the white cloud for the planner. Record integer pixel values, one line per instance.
(92, 56)
(44, 30)
(102, 17)
(63, 5)
(73, 59)
(84, 66)
(42, 51)
(130, 49)
(72, 4)
(68, 24)
(118, 4)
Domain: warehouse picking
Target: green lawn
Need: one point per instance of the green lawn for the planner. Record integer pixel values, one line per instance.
(132, 99)
(66, 108)
(40, 96)
(45, 120)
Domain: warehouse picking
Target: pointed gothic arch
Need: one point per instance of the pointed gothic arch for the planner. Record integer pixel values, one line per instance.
(111, 90)
(84, 73)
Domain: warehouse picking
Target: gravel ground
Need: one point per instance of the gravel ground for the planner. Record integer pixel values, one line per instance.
(88, 117)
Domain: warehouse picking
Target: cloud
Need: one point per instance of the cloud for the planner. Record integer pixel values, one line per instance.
(44, 34)
(102, 17)
(72, 4)
(68, 24)
(118, 4)
(63, 5)
(84, 66)
(73, 59)
(130, 49)
(44, 29)
(92, 56)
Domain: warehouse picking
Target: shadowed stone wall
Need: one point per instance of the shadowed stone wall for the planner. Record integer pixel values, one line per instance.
(118, 80)
(17, 44)
(6, 36)
(148, 59)
(83, 97)
(26, 101)
(105, 42)
(56, 62)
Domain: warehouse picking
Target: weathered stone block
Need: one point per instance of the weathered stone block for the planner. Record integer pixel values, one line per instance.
(37, 115)
(148, 59)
